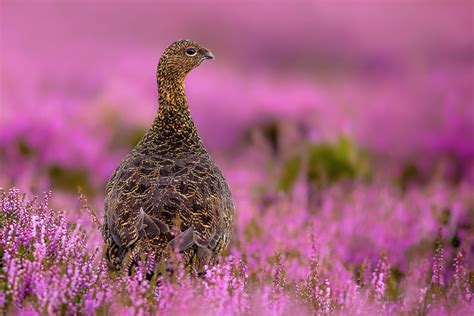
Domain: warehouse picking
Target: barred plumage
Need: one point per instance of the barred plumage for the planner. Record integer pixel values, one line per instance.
(169, 178)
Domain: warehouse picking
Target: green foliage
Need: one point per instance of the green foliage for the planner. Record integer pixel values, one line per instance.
(470, 280)
(271, 132)
(291, 170)
(455, 241)
(253, 230)
(445, 216)
(393, 291)
(24, 148)
(126, 137)
(326, 163)
(69, 179)
(409, 174)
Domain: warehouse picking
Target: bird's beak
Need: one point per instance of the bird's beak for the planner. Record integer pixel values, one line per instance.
(208, 55)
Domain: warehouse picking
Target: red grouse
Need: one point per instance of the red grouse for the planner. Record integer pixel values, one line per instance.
(169, 179)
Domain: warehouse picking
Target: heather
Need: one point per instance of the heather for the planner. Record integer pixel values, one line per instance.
(346, 133)
(284, 259)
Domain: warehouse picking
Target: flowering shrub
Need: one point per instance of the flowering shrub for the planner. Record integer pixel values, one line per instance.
(346, 134)
(274, 266)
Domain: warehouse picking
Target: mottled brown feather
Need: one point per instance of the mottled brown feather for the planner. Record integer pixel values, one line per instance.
(170, 177)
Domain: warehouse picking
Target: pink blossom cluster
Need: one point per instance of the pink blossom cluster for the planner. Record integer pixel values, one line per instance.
(346, 133)
(272, 267)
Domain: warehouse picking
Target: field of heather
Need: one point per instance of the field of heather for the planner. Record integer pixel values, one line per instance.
(345, 131)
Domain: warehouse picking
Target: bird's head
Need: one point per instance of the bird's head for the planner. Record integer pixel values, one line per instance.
(181, 57)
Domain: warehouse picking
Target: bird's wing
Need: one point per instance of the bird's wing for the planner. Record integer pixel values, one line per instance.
(129, 229)
(204, 224)
(126, 194)
(183, 241)
(152, 225)
(125, 224)
(201, 233)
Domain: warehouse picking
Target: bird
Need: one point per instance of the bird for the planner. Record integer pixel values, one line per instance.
(168, 195)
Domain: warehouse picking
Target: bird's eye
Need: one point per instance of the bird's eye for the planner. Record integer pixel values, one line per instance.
(190, 51)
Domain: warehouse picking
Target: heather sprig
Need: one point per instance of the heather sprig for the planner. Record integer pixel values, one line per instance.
(48, 267)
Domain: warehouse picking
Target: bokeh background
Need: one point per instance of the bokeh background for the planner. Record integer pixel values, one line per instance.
(356, 116)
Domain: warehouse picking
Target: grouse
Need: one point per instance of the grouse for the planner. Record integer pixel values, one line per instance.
(168, 194)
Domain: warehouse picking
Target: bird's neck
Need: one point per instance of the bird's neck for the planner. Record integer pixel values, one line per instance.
(173, 124)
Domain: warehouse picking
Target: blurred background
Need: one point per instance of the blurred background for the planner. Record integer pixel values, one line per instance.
(344, 128)
(320, 92)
